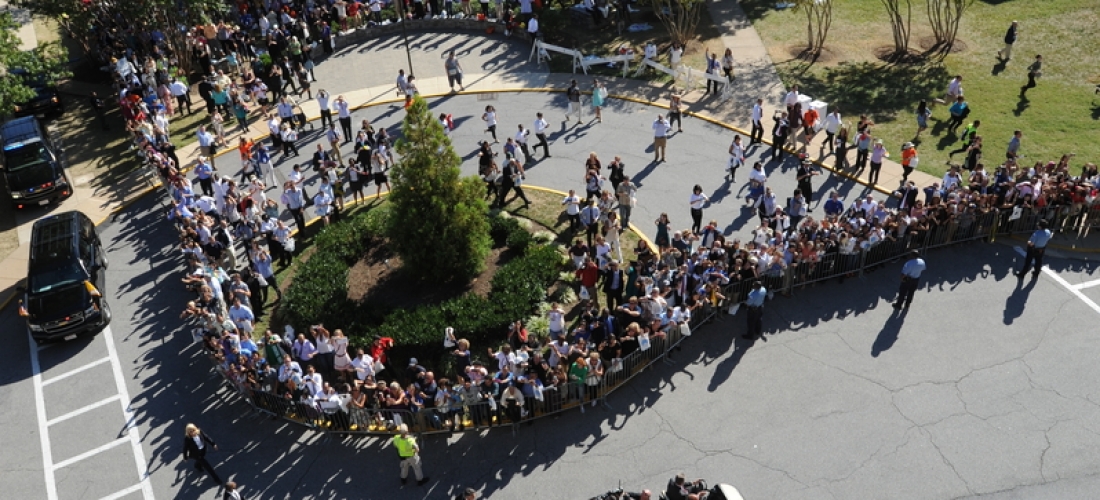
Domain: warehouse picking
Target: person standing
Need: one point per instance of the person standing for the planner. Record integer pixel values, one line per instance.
(572, 204)
(573, 104)
(1010, 38)
(540, 127)
(754, 304)
(1013, 150)
(697, 201)
(182, 93)
(334, 139)
(1036, 247)
(343, 111)
(863, 148)
(409, 452)
(757, 133)
(779, 136)
(454, 71)
(910, 279)
(599, 93)
(196, 444)
(231, 492)
(614, 282)
(590, 219)
(909, 160)
(877, 154)
(1034, 70)
(675, 111)
(207, 144)
(660, 137)
(713, 66)
(737, 157)
(625, 192)
(204, 172)
(294, 200)
(832, 126)
(804, 176)
(323, 103)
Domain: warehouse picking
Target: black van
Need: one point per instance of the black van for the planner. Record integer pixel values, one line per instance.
(33, 171)
(63, 295)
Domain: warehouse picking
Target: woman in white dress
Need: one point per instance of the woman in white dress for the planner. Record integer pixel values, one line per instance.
(611, 229)
(341, 361)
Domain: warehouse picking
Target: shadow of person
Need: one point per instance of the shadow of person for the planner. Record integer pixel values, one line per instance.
(1023, 104)
(1015, 303)
(889, 333)
(725, 367)
(999, 67)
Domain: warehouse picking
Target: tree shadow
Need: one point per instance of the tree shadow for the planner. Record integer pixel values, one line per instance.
(881, 90)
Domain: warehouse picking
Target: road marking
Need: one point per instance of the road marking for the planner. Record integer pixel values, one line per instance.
(124, 400)
(70, 373)
(85, 409)
(90, 453)
(131, 435)
(43, 429)
(1072, 289)
(1087, 284)
(122, 493)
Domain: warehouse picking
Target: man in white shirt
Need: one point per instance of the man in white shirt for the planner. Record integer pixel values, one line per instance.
(334, 137)
(540, 127)
(660, 137)
(402, 82)
(285, 108)
(521, 140)
(533, 26)
(757, 134)
(343, 111)
(954, 89)
(791, 99)
(572, 204)
(182, 93)
(207, 144)
(326, 111)
(832, 125)
(241, 316)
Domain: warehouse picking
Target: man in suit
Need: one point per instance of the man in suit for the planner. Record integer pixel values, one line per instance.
(195, 445)
(614, 282)
(908, 196)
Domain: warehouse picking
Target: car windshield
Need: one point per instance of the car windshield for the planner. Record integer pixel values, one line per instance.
(25, 156)
(57, 277)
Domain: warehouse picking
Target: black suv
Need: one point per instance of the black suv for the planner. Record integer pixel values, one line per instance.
(46, 101)
(33, 172)
(63, 298)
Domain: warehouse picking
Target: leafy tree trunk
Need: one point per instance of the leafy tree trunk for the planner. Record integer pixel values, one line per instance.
(439, 225)
(680, 17)
(945, 16)
(901, 17)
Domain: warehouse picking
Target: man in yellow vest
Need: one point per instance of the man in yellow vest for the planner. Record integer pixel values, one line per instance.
(409, 452)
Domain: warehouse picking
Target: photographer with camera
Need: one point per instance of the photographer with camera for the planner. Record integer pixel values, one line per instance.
(679, 488)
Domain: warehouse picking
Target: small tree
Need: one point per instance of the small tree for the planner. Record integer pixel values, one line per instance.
(945, 15)
(680, 17)
(438, 222)
(901, 17)
(819, 18)
(47, 60)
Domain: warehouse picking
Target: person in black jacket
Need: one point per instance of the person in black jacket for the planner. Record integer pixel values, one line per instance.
(614, 282)
(195, 445)
(1010, 38)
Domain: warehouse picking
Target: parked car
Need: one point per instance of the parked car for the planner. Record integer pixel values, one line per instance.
(33, 171)
(63, 295)
(46, 102)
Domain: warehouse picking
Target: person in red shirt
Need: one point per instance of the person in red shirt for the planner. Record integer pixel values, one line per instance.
(378, 349)
(589, 274)
(809, 119)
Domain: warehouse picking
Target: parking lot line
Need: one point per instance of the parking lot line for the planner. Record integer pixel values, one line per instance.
(70, 373)
(91, 453)
(132, 430)
(85, 409)
(1087, 284)
(1072, 289)
(122, 493)
(43, 429)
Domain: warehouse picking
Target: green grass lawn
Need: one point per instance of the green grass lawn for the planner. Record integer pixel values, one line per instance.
(1061, 115)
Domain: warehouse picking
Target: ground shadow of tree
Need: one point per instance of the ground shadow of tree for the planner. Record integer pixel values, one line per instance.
(878, 89)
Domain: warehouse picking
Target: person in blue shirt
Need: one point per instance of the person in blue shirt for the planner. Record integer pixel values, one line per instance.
(959, 111)
(754, 303)
(203, 171)
(1036, 247)
(910, 278)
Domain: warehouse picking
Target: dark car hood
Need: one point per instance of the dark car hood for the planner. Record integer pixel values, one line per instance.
(57, 304)
(31, 176)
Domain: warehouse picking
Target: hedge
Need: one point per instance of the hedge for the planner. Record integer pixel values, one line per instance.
(318, 293)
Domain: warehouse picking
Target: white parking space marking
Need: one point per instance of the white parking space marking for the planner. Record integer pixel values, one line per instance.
(91, 453)
(1074, 289)
(70, 373)
(1087, 284)
(131, 434)
(83, 410)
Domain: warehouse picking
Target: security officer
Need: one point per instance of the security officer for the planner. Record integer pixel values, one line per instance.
(409, 452)
(910, 278)
(806, 171)
(1036, 247)
(755, 305)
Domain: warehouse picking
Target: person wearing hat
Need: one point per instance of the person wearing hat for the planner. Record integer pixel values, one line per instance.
(1036, 247)
(806, 172)
(908, 160)
(467, 494)
(614, 282)
(754, 304)
(409, 452)
(910, 279)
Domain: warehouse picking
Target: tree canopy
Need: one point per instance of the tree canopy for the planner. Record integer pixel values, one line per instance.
(46, 62)
(438, 224)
